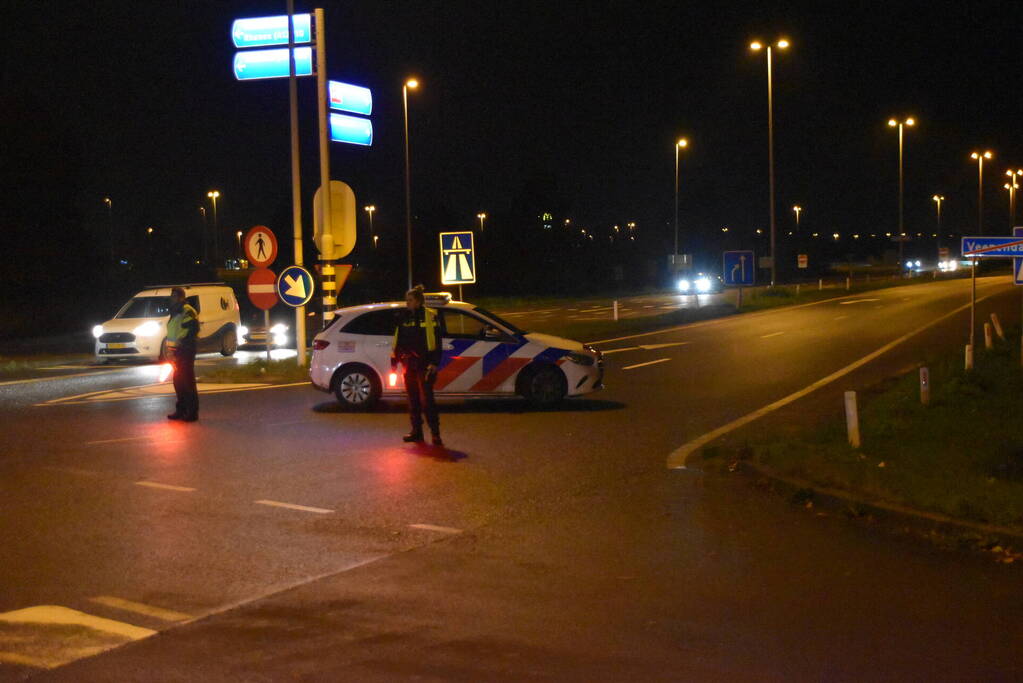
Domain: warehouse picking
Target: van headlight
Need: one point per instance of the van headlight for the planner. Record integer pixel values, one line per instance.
(703, 284)
(242, 331)
(147, 329)
(683, 285)
(97, 331)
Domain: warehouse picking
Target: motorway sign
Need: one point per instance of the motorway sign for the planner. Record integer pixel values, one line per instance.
(1017, 263)
(262, 288)
(295, 286)
(258, 64)
(738, 268)
(351, 129)
(988, 247)
(260, 246)
(265, 31)
(457, 258)
(347, 97)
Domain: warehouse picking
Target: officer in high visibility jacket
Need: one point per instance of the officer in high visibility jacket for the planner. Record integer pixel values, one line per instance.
(182, 334)
(417, 346)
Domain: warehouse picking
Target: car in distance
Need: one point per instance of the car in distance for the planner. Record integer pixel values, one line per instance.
(700, 283)
(482, 356)
(139, 329)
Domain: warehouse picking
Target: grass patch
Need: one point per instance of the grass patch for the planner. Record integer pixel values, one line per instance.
(273, 371)
(960, 456)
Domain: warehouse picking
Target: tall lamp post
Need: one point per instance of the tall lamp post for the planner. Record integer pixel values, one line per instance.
(410, 84)
(370, 210)
(892, 123)
(979, 157)
(756, 46)
(205, 237)
(798, 210)
(938, 199)
(238, 244)
(214, 194)
(680, 145)
(110, 224)
(1012, 186)
(482, 216)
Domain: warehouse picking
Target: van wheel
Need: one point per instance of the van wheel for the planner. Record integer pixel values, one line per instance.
(228, 343)
(356, 387)
(545, 386)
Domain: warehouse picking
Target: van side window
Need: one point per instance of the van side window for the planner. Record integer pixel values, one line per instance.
(223, 304)
(381, 322)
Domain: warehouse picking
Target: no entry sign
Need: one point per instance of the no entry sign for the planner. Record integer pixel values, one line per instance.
(263, 288)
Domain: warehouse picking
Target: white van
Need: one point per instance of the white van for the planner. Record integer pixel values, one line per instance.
(139, 330)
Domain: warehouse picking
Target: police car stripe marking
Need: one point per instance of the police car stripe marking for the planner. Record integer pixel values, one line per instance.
(497, 355)
(454, 369)
(458, 348)
(500, 374)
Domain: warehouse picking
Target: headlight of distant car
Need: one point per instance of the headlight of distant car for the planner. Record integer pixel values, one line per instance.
(703, 284)
(279, 332)
(581, 358)
(97, 331)
(242, 331)
(683, 285)
(147, 329)
(279, 328)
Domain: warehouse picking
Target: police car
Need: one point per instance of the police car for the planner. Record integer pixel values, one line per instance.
(482, 356)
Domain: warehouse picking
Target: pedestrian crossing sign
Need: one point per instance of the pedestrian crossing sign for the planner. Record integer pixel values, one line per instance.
(457, 258)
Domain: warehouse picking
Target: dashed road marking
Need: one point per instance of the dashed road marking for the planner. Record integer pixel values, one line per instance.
(641, 365)
(140, 608)
(624, 348)
(768, 336)
(651, 347)
(856, 301)
(127, 438)
(160, 390)
(168, 487)
(53, 377)
(292, 506)
(434, 527)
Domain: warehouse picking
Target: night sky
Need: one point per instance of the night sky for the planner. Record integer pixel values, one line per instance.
(523, 104)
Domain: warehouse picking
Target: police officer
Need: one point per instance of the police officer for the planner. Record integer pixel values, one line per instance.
(417, 347)
(182, 332)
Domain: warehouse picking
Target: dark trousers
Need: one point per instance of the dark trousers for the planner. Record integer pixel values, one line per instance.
(184, 383)
(420, 398)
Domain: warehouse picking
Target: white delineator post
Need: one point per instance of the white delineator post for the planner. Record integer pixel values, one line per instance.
(998, 326)
(988, 341)
(296, 182)
(925, 386)
(852, 419)
(969, 357)
(615, 308)
(848, 282)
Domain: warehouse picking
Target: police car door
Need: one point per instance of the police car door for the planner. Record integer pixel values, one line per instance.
(472, 350)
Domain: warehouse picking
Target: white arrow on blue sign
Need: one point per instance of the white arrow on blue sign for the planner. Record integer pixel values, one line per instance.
(253, 65)
(738, 268)
(266, 31)
(351, 129)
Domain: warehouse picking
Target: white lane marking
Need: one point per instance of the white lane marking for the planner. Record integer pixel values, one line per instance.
(292, 506)
(651, 362)
(624, 348)
(434, 527)
(768, 336)
(55, 614)
(140, 608)
(841, 317)
(855, 301)
(127, 438)
(649, 306)
(678, 457)
(50, 379)
(543, 310)
(159, 391)
(168, 487)
(651, 347)
(597, 310)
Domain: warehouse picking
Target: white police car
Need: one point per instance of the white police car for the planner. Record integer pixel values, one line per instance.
(483, 355)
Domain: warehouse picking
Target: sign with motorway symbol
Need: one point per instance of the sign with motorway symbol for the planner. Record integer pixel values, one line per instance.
(262, 288)
(738, 268)
(457, 258)
(295, 286)
(988, 247)
(266, 31)
(260, 246)
(254, 65)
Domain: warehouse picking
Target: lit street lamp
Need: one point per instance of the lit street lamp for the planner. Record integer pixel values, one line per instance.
(482, 216)
(410, 84)
(938, 199)
(238, 239)
(980, 157)
(892, 123)
(681, 144)
(756, 46)
(1012, 186)
(370, 210)
(110, 224)
(798, 210)
(214, 194)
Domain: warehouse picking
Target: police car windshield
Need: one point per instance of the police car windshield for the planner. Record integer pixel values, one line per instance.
(146, 307)
(499, 320)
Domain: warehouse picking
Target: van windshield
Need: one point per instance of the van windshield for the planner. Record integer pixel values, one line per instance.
(146, 307)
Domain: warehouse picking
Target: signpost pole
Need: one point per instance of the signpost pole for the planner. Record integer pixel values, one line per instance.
(266, 325)
(973, 302)
(296, 182)
(321, 108)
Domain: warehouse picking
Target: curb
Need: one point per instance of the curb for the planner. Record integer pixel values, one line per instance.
(927, 524)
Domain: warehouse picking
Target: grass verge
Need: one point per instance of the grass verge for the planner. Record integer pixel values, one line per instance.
(960, 456)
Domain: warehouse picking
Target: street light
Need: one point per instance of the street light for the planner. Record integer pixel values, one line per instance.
(482, 216)
(980, 157)
(681, 144)
(938, 199)
(110, 224)
(410, 84)
(238, 239)
(214, 194)
(1012, 186)
(798, 210)
(370, 210)
(892, 123)
(756, 46)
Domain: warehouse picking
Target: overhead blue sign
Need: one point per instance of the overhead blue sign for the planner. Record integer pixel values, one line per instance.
(265, 31)
(347, 97)
(457, 258)
(739, 268)
(985, 247)
(351, 129)
(295, 286)
(1017, 263)
(257, 64)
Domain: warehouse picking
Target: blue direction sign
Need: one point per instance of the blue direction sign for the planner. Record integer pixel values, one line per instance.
(351, 129)
(739, 268)
(347, 97)
(457, 258)
(265, 31)
(257, 64)
(295, 286)
(1017, 263)
(987, 247)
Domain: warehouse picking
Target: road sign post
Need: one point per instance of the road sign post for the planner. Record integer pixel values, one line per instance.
(457, 258)
(738, 270)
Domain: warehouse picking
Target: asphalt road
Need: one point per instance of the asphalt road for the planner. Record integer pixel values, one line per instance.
(280, 538)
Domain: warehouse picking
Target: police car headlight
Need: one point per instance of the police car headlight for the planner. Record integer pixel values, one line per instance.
(97, 331)
(581, 358)
(683, 285)
(147, 329)
(703, 284)
(243, 331)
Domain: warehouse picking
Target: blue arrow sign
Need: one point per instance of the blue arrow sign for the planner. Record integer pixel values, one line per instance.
(347, 97)
(351, 129)
(257, 64)
(265, 31)
(739, 268)
(295, 286)
(986, 247)
(457, 258)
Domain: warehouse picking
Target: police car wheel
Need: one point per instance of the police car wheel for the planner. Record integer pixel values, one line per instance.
(357, 387)
(546, 386)
(229, 343)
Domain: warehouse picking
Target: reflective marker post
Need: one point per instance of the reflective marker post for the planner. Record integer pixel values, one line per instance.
(296, 186)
